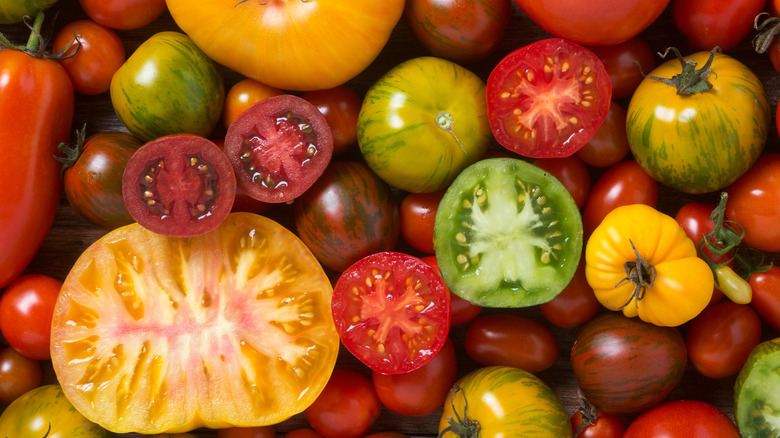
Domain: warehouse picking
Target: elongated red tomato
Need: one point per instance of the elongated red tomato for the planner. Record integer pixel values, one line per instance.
(30, 177)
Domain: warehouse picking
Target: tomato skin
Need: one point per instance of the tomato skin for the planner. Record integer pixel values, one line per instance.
(123, 14)
(604, 426)
(572, 173)
(754, 203)
(766, 295)
(347, 408)
(341, 107)
(575, 305)
(26, 309)
(683, 418)
(609, 145)
(18, 374)
(709, 23)
(242, 96)
(14, 11)
(418, 214)
(511, 340)
(619, 61)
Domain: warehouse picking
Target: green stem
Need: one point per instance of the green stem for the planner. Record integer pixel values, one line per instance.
(34, 41)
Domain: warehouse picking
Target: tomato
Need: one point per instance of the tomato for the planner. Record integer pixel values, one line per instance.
(417, 214)
(754, 203)
(708, 24)
(30, 177)
(507, 234)
(302, 433)
(683, 418)
(548, 98)
(244, 202)
(26, 309)
(152, 100)
(622, 184)
(247, 432)
(755, 391)
(392, 312)
(588, 422)
(572, 173)
(46, 412)
(461, 311)
(93, 169)
(297, 46)
(494, 402)
(347, 408)
(192, 328)
(620, 61)
(461, 31)
(179, 185)
(278, 148)
(123, 14)
(575, 305)
(609, 145)
(340, 106)
(720, 339)
(695, 218)
(99, 55)
(14, 11)
(423, 122)
(242, 96)
(625, 365)
(766, 295)
(346, 215)
(422, 391)
(511, 340)
(18, 374)
(694, 138)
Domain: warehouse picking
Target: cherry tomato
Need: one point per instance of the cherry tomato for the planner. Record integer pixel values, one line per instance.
(348, 406)
(575, 305)
(242, 95)
(123, 14)
(754, 203)
(302, 433)
(620, 59)
(597, 424)
(340, 106)
(609, 145)
(682, 419)
(26, 309)
(18, 374)
(461, 311)
(710, 23)
(766, 295)
(95, 62)
(417, 213)
(247, 432)
(572, 173)
(695, 218)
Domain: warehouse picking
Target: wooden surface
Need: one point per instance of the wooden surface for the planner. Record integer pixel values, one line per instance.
(70, 235)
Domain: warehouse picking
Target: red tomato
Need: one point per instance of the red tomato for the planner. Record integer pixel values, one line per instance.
(511, 340)
(340, 106)
(572, 173)
(461, 311)
(347, 408)
(754, 203)
(622, 184)
(683, 419)
(766, 295)
(547, 99)
(422, 391)
(721, 337)
(575, 305)
(244, 202)
(619, 60)
(609, 145)
(26, 309)
(302, 433)
(596, 424)
(99, 57)
(18, 374)
(243, 95)
(710, 23)
(247, 432)
(417, 213)
(695, 218)
(123, 14)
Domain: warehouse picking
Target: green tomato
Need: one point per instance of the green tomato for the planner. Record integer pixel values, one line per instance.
(168, 86)
(32, 413)
(757, 392)
(422, 123)
(13, 11)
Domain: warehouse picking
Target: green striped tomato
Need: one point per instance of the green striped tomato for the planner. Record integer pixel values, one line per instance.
(13, 11)
(168, 86)
(700, 142)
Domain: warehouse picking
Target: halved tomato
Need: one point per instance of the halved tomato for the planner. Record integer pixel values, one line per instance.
(157, 334)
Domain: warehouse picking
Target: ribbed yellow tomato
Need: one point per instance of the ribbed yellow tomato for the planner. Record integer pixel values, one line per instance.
(639, 260)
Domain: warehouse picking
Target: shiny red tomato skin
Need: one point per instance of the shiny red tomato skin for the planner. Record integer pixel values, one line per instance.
(609, 145)
(695, 218)
(682, 419)
(461, 311)
(511, 340)
(575, 305)
(100, 55)
(710, 23)
(605, 426)
(417, 214)
(18, 374)
(766, 295)
(754, 203)
(123, 14)
(26, 310)
(572, 173)
(346, 408)
(340, 106)
(619, 60)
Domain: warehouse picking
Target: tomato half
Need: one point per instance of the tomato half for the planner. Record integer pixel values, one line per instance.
(683, 419)
(547, 99)
(754, 203)
(755, 391)
(172, 334)
(99, 56)
(26, 309)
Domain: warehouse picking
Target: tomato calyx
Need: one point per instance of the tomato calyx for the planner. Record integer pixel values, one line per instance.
(36, 43)
(767, 31)
(461, 427)
(589, 415)
(691, 80)
(641, 274)
(73, 151)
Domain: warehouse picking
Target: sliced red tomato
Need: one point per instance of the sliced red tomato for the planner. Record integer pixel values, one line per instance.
(547, 99)
(392, 311)
(179, 185)
(279, 147)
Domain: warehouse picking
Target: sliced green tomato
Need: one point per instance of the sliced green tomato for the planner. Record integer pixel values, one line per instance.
(757, 392)
(507, 234)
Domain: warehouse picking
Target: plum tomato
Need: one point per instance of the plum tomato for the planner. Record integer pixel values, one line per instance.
(754, 203)
(392, 311)
(766, 295)
(507, 234)
(279, 147)
(18, 374)
(684, 419)
(26, 309)
(547, 99)
(99, 56)
(575, 305)
(347, 408)
(572, 173)
(461, 311)
(417, 214)
(243, 95)
(620, 61)
(179, 185)
(340, 106)
(609, 145)
(123, 14)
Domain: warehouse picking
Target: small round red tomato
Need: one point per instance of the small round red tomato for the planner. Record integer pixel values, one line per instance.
(93, 64)
(123, 14)
(620, 59)
(684, 419)
(609, 145)
(754, 203)
(422, 391)
(511, 340)
(302, 433)
(622, 184)
(575, 305)
(18, 374)
(766, 295)
(710, 23)
(721, 337)
(461, 311)
(461, 31)
(243, 95)
(417, 214)
(547, 99)
(247, 432)
(591, 423)
(346, 408)
(695, 218)
(26, 309)
(572, 173)
(341, 107)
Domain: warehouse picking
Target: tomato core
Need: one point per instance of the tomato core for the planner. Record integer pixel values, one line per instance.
(189, 185)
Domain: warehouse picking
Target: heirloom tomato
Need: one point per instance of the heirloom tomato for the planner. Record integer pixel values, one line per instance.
(572, 173)
(297, 45)
(123, 14)
(341, 107)
(417, 214)
(766, 295)
(683, 419)
(19, 374)
(641, 262)
(756, 404)
(423, 122)
(511, 340)
(503, 402)
(168, 86)
(609, 144)
(715, 23)
(14, 11)
(754, 203)
(698, 123)
(621, 60)
(507, 234)
(575, 305)
(548, 98)
(242, 96)
(346, 408)
(99, 55)
(26, 309)
(346, 215)
(172, 333)
(625, 365)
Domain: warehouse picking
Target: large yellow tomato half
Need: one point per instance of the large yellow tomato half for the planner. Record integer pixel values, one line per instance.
(156, 334)
(639, 260)
(291, 45)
